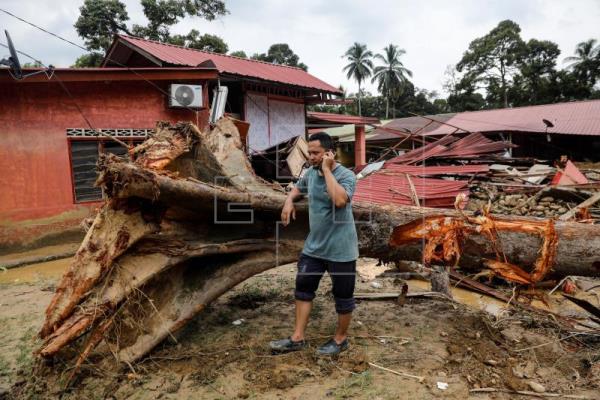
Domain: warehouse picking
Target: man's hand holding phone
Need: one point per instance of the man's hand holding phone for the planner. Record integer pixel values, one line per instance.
(328, 160)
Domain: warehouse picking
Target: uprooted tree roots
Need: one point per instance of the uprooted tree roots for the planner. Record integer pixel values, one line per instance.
(188, 220)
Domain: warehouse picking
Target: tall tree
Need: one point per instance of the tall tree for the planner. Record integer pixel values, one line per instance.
(360, 66)
(390, 74)
(98, 21)
(536, 67)
(492, 59)
(586, 62)
(282, 54)
(162, 14)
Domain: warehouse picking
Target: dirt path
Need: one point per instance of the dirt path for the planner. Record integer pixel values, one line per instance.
(223, 353)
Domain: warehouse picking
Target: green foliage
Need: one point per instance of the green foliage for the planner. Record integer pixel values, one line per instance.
(585, 64)
(206, 42)
(89, 60)
(354, 386)
(467, 100)
(282, 54)
(501, 70)
(239, 53)
(359, 67)
(35, 64)
(207, 9)
(491, 60)
(100, 19)
(161, 15)
(4, 366)
(391, 75)
(25, 347)
(536, 67)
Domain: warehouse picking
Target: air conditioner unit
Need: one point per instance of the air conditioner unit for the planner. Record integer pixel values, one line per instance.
(187, 96)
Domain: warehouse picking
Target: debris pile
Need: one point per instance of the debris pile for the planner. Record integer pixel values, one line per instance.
(519, 203)
(480, 170)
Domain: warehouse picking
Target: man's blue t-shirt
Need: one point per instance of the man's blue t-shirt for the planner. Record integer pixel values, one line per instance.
(332, 233)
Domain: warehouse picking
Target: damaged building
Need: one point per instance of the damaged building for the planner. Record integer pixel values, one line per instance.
(49, 137)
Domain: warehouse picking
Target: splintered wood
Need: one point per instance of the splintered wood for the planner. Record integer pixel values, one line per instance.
(171, 238)
(444, 238)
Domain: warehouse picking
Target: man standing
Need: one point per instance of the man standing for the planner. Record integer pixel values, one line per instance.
(331, 245)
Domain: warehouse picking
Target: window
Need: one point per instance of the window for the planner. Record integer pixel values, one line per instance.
(84, 157)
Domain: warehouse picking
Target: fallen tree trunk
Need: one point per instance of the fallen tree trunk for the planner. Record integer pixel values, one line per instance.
(189, 220)
(577, 251)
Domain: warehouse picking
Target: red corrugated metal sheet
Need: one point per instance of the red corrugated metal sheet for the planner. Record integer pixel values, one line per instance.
(472, 145)
(341, 118)
(570, 175)
(380, 188)
(573, 118)
(422, 170)
(424, 152)
(177, 55)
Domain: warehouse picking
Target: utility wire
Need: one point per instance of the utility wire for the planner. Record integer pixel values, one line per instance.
(86, 50)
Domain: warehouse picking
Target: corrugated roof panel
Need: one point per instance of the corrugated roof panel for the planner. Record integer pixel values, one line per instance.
(178, 55)
(341, 118)
(380, 188)
(422, 170)
(573, 118)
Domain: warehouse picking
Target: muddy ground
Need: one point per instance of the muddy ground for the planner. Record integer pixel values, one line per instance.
(223, 353)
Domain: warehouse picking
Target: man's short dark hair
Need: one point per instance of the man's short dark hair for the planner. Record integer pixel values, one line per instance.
(323, 138)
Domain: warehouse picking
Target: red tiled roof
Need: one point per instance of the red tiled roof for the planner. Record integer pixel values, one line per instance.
(341, 118)
(177, 55)
(573, 118)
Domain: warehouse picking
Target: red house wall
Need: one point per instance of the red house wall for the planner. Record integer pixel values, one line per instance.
(36, 192)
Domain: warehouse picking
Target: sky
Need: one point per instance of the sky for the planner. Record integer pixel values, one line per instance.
(434, 33)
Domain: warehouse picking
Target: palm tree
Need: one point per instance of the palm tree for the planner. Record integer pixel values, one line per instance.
(391, 74)
(360, 66)
(586, 60)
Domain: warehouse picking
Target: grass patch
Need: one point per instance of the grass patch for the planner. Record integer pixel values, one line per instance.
(4, 366)
(354, 385)
(25, 347)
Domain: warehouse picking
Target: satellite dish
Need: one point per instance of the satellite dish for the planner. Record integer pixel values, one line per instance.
(14, 59)
(184, 95)
(13, 62)
(547, 123)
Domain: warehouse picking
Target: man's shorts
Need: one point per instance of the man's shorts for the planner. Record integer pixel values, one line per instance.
(343, 276)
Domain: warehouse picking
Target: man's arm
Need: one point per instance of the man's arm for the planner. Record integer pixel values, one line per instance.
(289, 211)
(334, 189)
(336, 192)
